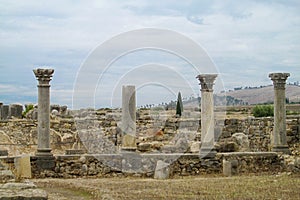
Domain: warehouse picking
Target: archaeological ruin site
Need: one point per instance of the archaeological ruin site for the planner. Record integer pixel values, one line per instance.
(51, 141)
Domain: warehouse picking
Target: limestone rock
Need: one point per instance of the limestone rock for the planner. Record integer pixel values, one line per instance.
(242, 141)
(162, 170)
(6, 176)
(195, 147)
(24, 191)
(144, 147)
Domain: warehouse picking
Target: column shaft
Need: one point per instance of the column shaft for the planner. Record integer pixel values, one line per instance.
(207, 149)
(278, 139)
(207, 118)
(128, 118)
(44, 77)
(43, 117)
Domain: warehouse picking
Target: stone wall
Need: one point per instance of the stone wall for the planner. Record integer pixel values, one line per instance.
(20, 135)
(143, 165)
(259, 131)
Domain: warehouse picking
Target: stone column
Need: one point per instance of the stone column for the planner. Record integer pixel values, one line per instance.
(44, 151)
(128, 118)
(279, 142)
(207, 149)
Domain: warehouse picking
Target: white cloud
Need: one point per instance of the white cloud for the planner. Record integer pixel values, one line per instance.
(246, 40)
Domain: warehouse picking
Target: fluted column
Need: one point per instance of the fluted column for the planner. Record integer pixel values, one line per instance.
(44, 77)
(207, 115)
(279, 142)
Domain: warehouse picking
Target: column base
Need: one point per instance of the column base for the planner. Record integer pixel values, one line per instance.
(45, 152)
(207, 152)
(282, 148)
(45, 159)
(129, 143)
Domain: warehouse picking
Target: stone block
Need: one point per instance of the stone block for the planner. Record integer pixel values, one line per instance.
(144, 147)
(5, 112)
(195, 147)
(162, 170)
(227, 168)
(242, 141)
(23, 166)
(128, 142)
(6, 176)
(131, 162)
(15, 110)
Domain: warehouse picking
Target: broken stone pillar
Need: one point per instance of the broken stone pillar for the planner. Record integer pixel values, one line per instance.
(15, 110)
(45, 157)
(207, 149)
(162, 170)
(128, 118)
(5, 112)
(22, 167)
(279, 142)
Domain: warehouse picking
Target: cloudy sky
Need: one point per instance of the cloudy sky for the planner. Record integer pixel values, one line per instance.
(245, 40)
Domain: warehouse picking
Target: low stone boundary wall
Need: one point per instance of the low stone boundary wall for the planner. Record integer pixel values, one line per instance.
(143, 165)
(251, 162)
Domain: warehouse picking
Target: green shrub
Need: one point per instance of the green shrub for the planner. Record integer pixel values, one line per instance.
(263, 111)
(28, 108)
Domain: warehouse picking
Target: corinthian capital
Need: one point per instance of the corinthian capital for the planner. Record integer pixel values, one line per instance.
(207, 81)
(43, 75)
(279, 79)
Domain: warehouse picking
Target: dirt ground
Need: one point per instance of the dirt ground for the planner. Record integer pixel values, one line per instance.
(240, 187)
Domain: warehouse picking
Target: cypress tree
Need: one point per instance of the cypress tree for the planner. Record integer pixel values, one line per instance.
(179, 105)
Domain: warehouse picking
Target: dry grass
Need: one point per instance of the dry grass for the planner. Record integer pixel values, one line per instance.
(242, 187)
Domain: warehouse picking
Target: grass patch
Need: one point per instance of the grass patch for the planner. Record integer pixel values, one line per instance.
(240, 187)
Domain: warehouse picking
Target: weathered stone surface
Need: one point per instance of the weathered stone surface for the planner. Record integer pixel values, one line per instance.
(144, 147)
(227, 168)
(279, 140)
(22, 191)
(242, 141)
(226, 146)
(195, 147)
(23, 167)
(4, 112)
(44, 77)
(128, 117)
(162, 170)
(6, 176)
(15, 110)
(207, 114)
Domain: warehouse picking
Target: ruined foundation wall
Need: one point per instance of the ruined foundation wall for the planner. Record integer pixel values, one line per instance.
(19, 136)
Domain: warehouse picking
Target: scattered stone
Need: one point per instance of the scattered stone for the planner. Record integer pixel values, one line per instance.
(162, 170)
(6, 176)
(23, 167)
(22, 191)
(242, 141)
(195, 147)
(144, 147)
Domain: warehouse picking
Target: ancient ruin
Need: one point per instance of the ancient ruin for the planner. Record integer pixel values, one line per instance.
(249, 145)
(45, 159)
(207, 115)
(279, 133)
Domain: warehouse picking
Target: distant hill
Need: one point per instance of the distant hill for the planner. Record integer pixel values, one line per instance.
(263, 94)
(240, 96)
